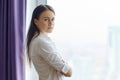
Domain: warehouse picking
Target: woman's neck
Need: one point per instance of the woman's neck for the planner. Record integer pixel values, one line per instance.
(44, 33)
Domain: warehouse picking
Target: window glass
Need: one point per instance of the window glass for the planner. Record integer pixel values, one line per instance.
(87, 33)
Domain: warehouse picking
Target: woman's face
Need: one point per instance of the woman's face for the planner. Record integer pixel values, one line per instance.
(45, 23)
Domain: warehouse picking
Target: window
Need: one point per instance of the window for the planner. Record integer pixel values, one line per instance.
(88, 34)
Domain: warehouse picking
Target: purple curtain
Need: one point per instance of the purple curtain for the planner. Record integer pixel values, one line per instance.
(12, 37)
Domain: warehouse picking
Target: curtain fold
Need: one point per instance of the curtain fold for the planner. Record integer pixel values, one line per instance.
(12, 36)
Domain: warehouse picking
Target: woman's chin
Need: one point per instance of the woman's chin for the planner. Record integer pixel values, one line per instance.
(49, 31)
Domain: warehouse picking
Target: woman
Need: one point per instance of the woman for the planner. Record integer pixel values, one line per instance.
(41, 50)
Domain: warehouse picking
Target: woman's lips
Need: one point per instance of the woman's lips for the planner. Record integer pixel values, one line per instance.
(50, 27)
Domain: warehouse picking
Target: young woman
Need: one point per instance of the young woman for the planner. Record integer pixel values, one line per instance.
(41, 50)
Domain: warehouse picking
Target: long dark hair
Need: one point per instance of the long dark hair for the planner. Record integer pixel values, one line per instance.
(33, 30)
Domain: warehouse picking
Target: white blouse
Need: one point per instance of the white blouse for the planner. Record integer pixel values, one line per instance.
(46, 59)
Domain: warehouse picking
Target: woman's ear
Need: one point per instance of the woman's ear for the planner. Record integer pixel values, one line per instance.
(36, 22)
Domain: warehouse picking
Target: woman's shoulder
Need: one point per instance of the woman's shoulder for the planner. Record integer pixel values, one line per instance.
(41, 39)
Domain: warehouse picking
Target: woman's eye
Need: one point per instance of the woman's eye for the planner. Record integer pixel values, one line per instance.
(45, 19)
(53, 19)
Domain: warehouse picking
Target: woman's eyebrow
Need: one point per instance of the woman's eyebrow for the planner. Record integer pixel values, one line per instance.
(48, 17)
(45, 17)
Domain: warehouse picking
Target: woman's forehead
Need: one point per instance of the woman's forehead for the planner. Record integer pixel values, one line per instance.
(47, 14)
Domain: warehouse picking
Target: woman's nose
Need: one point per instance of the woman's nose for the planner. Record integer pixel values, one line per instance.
(51, 22)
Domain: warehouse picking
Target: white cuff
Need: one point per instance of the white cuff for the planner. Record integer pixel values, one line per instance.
(65, 68)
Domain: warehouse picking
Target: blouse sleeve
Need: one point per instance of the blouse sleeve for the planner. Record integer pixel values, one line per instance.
(49, 53)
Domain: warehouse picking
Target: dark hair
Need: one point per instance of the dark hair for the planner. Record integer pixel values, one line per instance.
(33, 28)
